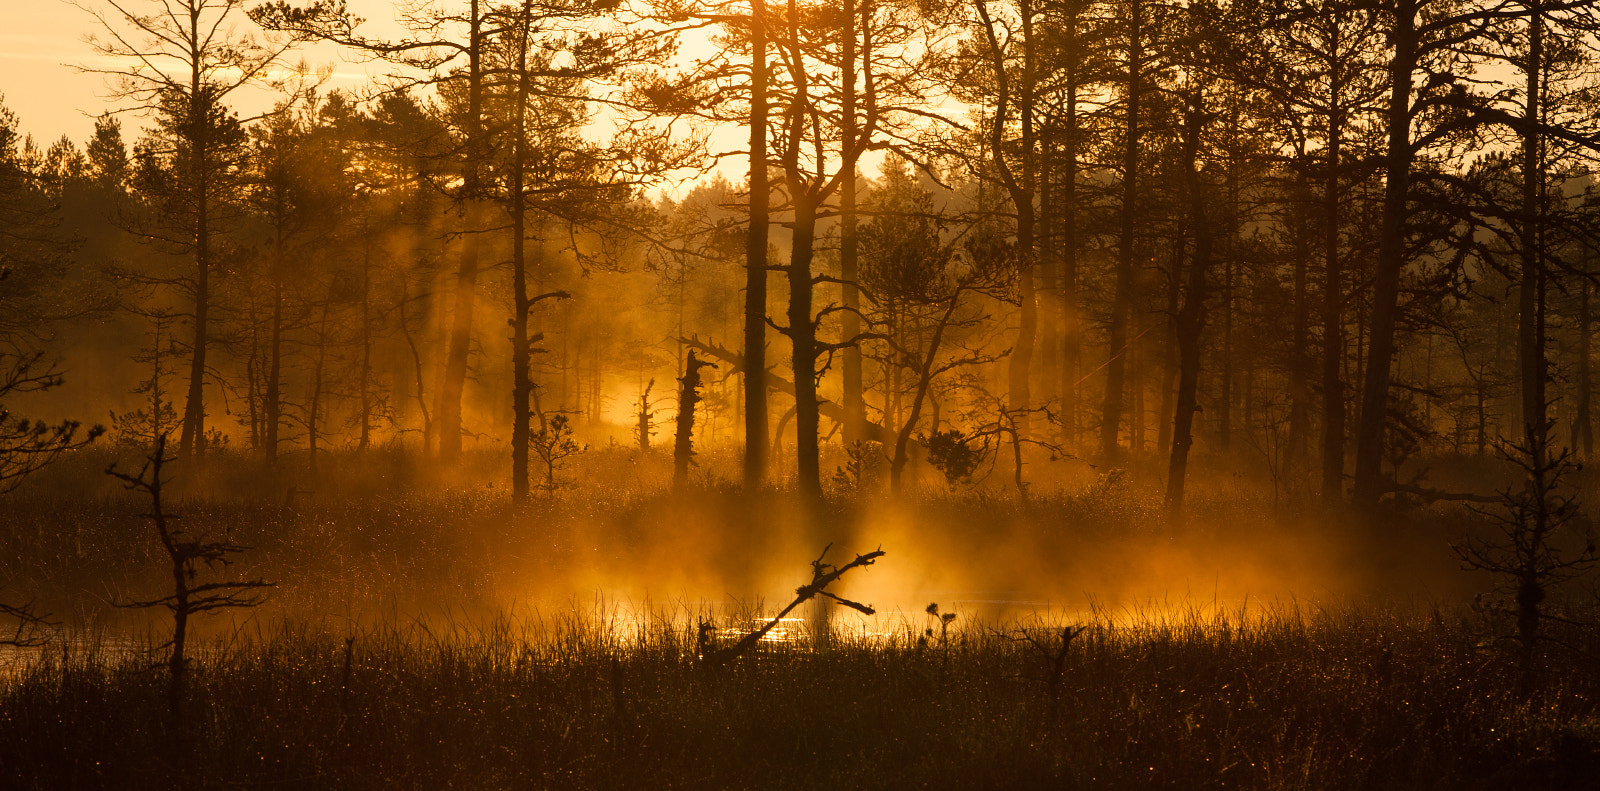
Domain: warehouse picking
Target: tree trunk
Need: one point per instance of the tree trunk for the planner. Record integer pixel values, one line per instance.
(255, 374)
(1583, 421)
(1191, 318)
(1333, 406)
(1299, 376)
(854, 401)
(1047, 282)
(1122, 301)
(803, 340)
(755, 294)
(521, 377)
(365, 437)
(1022, 196)
(1021, 192)
(1225, 397)
(314, 409)
(1368, 488)
(448, 410)
(1071, 339)
(177, 663)
(274, 398)
(1170, 362)
(193, 436)
(1138, 416)
(416, 367)
(1530, 296)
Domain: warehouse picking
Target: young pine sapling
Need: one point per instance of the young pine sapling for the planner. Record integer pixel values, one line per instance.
(1540, 540)
(553, 444)
(863, 467)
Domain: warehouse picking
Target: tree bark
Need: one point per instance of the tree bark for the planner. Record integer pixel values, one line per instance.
(1191, 318)
(1368, 487)
(1299, 362)
(448, 410)
(807, 191)
(1530, 296)
(854, 400)
(364, 439)
(1224, 402)
(1021, 192)
(803, 342)
(1022, 197)
(1333, 397)
(274, 398)
(521, 376)
(1122, 301)
(193, 435)
(318, 382)
(1170, 362)
(1583, 428)
(755, 295)
(1071, 337)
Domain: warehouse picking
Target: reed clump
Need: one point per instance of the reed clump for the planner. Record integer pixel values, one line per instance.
(1359, 697)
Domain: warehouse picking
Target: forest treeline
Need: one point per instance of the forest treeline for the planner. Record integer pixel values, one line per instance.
(1334, 235)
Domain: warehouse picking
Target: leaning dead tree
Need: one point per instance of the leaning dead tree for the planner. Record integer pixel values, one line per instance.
(187, 553)
(688, 398)
(822, 575)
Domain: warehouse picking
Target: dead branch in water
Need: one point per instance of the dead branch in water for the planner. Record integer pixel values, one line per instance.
(822, 575)
(30, 627)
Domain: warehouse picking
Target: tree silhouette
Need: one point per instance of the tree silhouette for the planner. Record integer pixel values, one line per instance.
(181, 62)
(35, 296)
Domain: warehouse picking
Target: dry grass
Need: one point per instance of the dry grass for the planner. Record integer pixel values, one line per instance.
(1359, 698)
(436, 689)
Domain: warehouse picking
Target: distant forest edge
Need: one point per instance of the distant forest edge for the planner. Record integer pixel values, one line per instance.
(1337, 238)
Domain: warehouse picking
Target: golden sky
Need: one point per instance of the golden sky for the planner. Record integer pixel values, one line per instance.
(43, 41)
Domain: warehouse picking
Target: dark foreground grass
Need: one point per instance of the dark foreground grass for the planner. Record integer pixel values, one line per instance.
(1360, 699)
(1363, 698)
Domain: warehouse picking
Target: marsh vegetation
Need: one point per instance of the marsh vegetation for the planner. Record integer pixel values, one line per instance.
(1078, 641)
(1079, 393)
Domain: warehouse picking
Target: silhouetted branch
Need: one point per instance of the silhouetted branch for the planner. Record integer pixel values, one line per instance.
(30, 624)
(822, 575)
